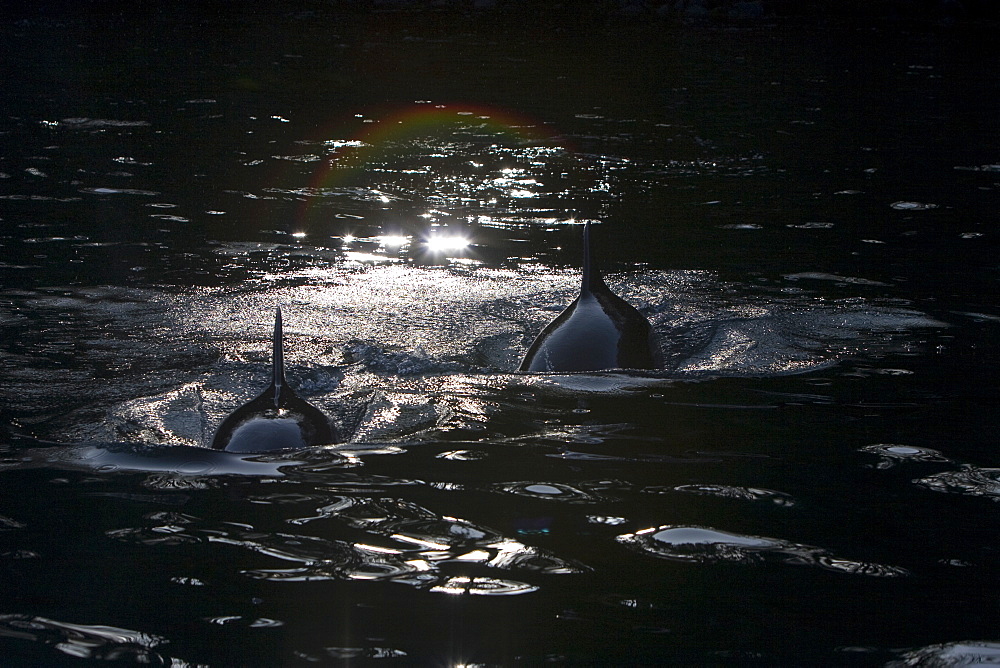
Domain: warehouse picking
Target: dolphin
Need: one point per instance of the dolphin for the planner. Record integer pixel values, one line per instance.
(598, 331)
(278, 419)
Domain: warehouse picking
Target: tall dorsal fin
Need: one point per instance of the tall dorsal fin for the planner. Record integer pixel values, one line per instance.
(591, 279)
(277, 358)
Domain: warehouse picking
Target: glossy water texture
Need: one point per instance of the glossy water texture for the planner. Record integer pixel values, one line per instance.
(804, 208)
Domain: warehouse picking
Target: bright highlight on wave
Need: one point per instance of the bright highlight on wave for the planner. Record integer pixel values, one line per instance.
(383, 247)
(446, 244)
(393, 240)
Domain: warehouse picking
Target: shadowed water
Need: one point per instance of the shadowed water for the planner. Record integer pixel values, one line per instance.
(802, 207)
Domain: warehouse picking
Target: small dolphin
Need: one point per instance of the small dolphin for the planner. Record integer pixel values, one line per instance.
(278, 419)
(598, 331)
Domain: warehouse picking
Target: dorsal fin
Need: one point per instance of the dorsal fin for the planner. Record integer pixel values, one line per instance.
(591, 279)
(277, 418)
(277, 358)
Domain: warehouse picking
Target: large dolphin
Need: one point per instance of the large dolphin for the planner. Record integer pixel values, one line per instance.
(598, 331)
(278, 419)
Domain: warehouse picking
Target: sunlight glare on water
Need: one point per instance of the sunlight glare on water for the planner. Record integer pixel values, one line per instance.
(446, 244)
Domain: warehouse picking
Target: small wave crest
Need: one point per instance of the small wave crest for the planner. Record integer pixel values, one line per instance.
(84, 641)
(396, 362)
(704, 545)
(968, 481)
(967, 653)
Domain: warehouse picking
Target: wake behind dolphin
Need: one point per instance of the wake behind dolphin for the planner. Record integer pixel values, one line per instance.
(278, 419)
(598, 331)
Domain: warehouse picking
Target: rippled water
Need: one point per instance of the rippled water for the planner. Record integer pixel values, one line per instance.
(804, 210)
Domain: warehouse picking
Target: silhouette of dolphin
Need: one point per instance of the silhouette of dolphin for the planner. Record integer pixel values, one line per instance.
(598, 331)
(278, 419)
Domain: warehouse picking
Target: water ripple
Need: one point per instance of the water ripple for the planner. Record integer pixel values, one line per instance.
(343, 653)
(483, 586)
(890, 454)
(410, 543)
(704, 545)
(365, 562)
(969, 480)
(545, 490)
(85, 641)
(913, 206)
(379, 359)
(736, 492)
(118, 191)
(463, 455)
(92, 123)
(288, 547)
(967, 653)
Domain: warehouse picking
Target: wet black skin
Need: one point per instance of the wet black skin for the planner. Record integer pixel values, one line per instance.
(598, 331)
(276, 420)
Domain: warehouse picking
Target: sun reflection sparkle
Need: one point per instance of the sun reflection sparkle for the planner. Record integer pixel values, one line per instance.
(393, 240)
(446, 244)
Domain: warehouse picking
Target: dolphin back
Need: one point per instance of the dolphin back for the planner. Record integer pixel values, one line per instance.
(598, 331)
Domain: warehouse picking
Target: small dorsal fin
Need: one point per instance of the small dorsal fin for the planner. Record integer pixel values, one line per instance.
(277, 358)
(591, 279)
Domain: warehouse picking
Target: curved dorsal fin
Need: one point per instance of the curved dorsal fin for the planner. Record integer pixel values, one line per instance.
(277, 359)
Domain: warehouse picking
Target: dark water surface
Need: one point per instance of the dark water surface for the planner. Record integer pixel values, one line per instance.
(805, 209)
